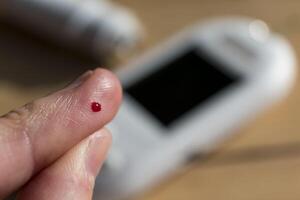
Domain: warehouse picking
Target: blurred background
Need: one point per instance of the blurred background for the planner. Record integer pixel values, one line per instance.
(263, 162)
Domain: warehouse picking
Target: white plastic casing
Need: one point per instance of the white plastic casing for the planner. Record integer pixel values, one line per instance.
(144, 151)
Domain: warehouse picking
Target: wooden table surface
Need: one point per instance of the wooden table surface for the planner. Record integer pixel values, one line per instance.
(262, 163)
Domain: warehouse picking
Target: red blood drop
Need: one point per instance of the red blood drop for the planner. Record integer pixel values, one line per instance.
(96, 107)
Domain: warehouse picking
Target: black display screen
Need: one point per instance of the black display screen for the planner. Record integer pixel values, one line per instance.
(180, 85)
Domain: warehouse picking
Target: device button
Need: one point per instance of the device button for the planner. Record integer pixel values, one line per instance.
(259, 31)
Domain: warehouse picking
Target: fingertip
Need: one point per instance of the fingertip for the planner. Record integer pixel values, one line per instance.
(111, 81)
(102, 87)
(116, 87)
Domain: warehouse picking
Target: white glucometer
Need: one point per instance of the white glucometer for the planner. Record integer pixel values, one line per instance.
(188, 95)
(100, 28)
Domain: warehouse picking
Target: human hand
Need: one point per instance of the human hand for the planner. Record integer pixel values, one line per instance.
(53, 148)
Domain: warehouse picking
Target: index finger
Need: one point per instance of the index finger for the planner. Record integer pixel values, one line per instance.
(35, 135)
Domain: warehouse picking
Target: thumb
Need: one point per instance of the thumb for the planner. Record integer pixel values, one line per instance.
(72, 177)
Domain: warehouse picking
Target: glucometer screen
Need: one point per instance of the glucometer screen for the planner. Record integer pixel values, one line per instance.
(180, 85)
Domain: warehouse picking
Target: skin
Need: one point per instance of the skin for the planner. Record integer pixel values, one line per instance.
(53, 147)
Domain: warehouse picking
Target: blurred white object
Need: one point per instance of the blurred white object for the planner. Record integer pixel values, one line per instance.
(188, 95)
(97, 26)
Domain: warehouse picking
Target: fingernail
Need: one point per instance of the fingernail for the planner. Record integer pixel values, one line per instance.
(97, 150)
(81, 79)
